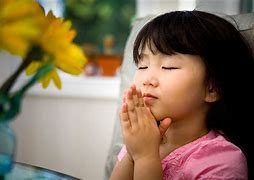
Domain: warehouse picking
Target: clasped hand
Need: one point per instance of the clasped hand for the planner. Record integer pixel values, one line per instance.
(141, 134)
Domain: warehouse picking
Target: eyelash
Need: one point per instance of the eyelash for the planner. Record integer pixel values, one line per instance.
(145, 67)
(166, 68)
(170, 68)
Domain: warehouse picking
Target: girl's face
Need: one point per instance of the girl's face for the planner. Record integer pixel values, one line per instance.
(173, 86)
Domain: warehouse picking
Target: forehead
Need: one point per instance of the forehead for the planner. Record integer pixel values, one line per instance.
(149, 50)
(184, 60)
(150, 53)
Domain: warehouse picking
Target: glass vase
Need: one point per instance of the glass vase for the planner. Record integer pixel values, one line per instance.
(7, 148)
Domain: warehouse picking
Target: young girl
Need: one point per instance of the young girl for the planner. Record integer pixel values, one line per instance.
(194, 76)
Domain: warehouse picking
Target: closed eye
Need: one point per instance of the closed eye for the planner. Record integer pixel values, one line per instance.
(142, 67)
(169, 68)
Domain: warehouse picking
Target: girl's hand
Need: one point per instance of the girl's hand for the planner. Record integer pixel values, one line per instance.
(140, 131)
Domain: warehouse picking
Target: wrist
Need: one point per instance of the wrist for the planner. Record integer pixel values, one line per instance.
(148, 168)
(129, 158)
(148, 158)
(151, 153)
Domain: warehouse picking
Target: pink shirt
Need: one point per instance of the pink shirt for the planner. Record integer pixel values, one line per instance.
(209, 157)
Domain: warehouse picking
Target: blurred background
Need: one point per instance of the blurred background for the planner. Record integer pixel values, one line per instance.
(102, 29)
(103, 25)
(70, 130)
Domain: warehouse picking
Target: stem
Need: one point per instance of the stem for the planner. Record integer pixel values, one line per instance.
(12, 79)
(35, 53)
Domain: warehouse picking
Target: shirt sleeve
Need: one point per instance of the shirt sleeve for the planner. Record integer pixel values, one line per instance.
(122, 153)
(217, 162)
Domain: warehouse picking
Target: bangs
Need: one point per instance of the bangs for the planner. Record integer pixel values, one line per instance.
(169, 35)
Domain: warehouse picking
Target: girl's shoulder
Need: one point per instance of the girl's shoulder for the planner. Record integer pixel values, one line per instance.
(211, 156)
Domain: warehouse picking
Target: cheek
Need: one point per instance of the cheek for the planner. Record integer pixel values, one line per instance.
(137, 80)
(182, 98)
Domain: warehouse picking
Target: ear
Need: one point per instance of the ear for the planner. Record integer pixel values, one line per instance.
(212, 94)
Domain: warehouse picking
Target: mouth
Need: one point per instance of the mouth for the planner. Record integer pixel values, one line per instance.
(149, 95)
(149, 99)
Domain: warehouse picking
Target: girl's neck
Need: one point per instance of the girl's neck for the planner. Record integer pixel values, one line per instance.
(178, 135)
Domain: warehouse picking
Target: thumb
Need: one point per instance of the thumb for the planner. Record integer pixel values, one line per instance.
(164, 125)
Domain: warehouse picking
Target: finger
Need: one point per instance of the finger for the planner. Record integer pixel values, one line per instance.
(149, 114)
(124, 108)
(124, 117)
(140, 98)
(131, 109)
(164, 125)
(134, 95)
(145, 116)
(129, 100)
(140, 110)
(141, 115)
(124, 96)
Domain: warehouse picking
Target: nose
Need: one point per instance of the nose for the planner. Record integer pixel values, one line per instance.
(150, 80)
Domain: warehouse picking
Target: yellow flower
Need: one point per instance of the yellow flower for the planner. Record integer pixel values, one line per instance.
(21, 23)
(24, 27)
(56, 43)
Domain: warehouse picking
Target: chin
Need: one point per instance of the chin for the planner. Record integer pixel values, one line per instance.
(157, 113)
(157, 118)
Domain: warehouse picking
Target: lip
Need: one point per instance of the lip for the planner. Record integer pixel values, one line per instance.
(149, 99)
(149, 95)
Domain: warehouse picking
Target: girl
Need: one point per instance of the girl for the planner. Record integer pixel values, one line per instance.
(194, 76)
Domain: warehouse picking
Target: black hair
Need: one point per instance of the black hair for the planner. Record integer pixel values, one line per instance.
(229, 66)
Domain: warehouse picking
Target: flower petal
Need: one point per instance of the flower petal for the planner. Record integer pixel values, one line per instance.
(33, 67)
(56, 79)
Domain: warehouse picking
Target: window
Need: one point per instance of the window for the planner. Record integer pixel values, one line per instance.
(102, 30)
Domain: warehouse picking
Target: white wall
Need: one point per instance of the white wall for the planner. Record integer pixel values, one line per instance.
(68, 134)
(69, 130)
(8, 65)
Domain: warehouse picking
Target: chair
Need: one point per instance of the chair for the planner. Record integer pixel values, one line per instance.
(245, 24)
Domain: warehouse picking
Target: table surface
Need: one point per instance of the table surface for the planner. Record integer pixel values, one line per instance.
(23, 171)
